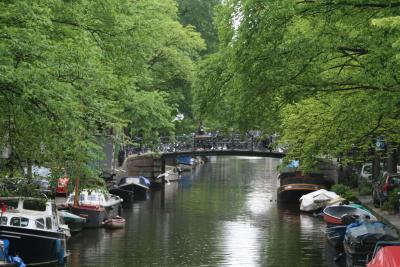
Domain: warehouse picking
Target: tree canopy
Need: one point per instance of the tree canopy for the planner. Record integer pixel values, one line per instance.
(73, 70)
(321, 73)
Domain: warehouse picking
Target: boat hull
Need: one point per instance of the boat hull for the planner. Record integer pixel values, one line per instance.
(115, 223)
(333, 214)
(95, 216)
(293, 192)
(126, 195)
(139, 192)
(34, 246)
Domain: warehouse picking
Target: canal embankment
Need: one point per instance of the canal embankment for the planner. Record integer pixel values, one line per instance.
(388, 217)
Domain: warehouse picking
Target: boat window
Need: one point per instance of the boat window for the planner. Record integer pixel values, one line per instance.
(24, 222)
(81, 197)
(11, 204)
(39, 223)
(34, 204)
(15, 221)
(92, 198)
(48, 222)
(3, 220)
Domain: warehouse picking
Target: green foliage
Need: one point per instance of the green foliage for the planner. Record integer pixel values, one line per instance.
(322, 74)
(392, 203)
(71, 72)
(364, 187)
(343, 191)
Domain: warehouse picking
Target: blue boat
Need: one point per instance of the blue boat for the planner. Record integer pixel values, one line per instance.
(132, 187)
(185, 160)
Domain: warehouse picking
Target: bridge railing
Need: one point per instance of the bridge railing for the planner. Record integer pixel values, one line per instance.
(195, 145)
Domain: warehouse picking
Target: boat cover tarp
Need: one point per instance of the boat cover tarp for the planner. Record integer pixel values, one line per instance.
(316, 199)
(363, 232)
(186, 160)
(67, 216)
(386, 257)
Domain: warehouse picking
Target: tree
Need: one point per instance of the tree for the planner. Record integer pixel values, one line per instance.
(73, 70)
(295, 59)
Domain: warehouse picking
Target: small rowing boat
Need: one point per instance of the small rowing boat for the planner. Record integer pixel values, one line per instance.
(114, 223)
(342, 214)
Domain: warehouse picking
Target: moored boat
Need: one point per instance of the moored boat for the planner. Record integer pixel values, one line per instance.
(362, 237)
(171, 174)
(33, 230)
(185, 163)
(294, 184)
(132, 187)
(335, 235)
(317, 200)
(114, 223)
(95, 206)
(338, 214)
(386, 254)
(74, 222)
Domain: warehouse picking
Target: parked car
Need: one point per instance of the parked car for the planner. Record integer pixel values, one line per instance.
(62, 186)
(385, 184)
(45, 187)
(366, 171)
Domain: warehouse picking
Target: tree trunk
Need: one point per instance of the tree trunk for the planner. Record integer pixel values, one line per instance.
(376, 166)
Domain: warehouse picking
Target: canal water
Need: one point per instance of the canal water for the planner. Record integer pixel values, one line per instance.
(223, 214)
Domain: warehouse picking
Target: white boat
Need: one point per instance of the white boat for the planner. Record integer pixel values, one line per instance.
(318, 199)
(33, 229)
(96, 206)
(171, 174)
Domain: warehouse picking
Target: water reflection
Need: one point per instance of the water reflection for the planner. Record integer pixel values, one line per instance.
(223, 214)
(240, 244)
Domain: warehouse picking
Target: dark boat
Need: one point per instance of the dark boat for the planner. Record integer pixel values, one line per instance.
(361, 238)
(294, 184)
(335, 235)
(33, 230)
(345, 214)
(132, 187)
(74, 222)
(386, 254)
(95, 206)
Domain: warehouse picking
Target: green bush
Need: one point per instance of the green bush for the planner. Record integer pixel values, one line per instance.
(392, 203)
(344, 191)
(364, 188)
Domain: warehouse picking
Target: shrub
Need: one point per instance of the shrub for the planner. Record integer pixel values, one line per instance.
(344, 191)
(392, 203)
(364, 188)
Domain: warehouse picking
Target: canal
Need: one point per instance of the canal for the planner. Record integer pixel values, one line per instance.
(223, 214)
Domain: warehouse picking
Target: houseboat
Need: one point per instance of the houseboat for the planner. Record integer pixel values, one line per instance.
(295, 184)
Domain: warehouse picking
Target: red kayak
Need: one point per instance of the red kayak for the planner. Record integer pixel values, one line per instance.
(386, 254)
